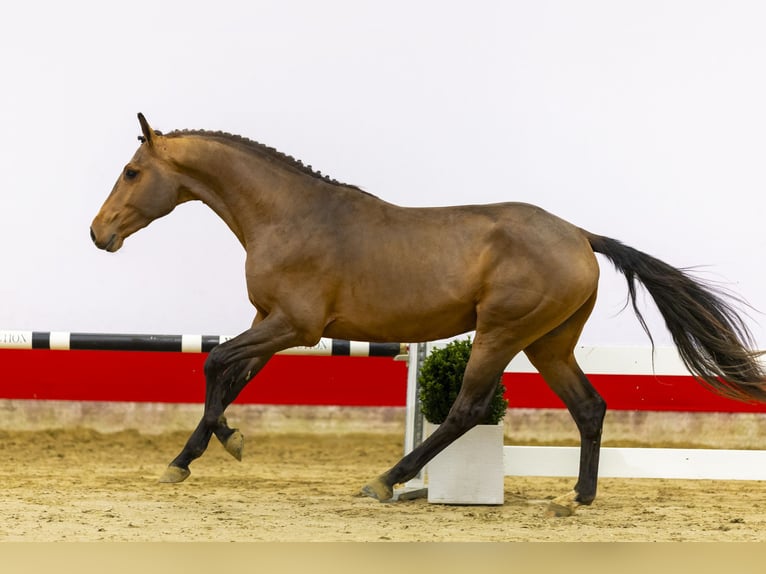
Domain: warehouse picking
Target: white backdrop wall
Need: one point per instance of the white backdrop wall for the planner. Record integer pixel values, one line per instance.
(645, 121)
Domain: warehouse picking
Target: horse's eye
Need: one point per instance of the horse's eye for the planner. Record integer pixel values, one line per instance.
(131, 174)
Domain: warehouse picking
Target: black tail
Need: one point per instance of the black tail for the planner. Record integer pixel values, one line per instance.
(712, 339)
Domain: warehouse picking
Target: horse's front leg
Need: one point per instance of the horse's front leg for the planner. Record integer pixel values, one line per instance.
(236, 378)
(222, 389)
(228, 369)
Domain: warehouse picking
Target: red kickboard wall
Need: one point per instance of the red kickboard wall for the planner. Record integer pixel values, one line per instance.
(295, 380)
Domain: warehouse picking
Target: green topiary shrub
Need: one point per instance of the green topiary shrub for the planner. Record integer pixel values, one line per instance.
(440, 378)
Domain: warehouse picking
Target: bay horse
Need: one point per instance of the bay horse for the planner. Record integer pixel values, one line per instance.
(328, 259)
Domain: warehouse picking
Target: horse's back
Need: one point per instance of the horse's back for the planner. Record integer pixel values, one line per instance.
(475, 241)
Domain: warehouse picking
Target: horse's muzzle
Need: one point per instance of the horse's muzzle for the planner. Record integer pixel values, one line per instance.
(112, 244)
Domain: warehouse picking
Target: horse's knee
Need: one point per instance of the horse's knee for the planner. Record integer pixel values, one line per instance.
(215, 363)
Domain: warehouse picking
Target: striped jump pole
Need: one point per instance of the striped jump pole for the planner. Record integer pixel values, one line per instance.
(66, 341)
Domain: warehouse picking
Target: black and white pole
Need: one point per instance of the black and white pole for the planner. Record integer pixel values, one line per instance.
(66, 341)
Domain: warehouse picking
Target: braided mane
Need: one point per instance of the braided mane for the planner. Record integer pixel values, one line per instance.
(264, 150)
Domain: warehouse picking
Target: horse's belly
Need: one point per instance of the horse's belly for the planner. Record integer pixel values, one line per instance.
(402, 324)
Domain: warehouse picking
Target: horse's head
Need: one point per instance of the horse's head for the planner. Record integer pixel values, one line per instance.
(148, 188)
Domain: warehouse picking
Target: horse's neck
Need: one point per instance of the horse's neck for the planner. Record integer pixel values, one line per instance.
(244, 189)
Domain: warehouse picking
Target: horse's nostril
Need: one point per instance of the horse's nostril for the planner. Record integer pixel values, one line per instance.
(92, 235)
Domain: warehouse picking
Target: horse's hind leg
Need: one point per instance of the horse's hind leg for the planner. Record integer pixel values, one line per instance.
(553, 356)
(488, 359)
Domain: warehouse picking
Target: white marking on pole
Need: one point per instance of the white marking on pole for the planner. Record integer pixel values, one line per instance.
(191, 343)
(59, 340)
(359, 349)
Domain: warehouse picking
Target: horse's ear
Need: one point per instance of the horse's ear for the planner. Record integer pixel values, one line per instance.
(147, 131)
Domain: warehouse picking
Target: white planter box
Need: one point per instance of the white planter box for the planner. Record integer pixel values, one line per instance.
(470, 470)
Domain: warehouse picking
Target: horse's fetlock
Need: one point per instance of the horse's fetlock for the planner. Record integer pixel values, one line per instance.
(585, 499)
(196, 452)
(214, 420)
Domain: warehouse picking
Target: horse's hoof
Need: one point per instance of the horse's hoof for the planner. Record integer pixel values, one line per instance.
(234, 444)
(378, 489)
(175, 474)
